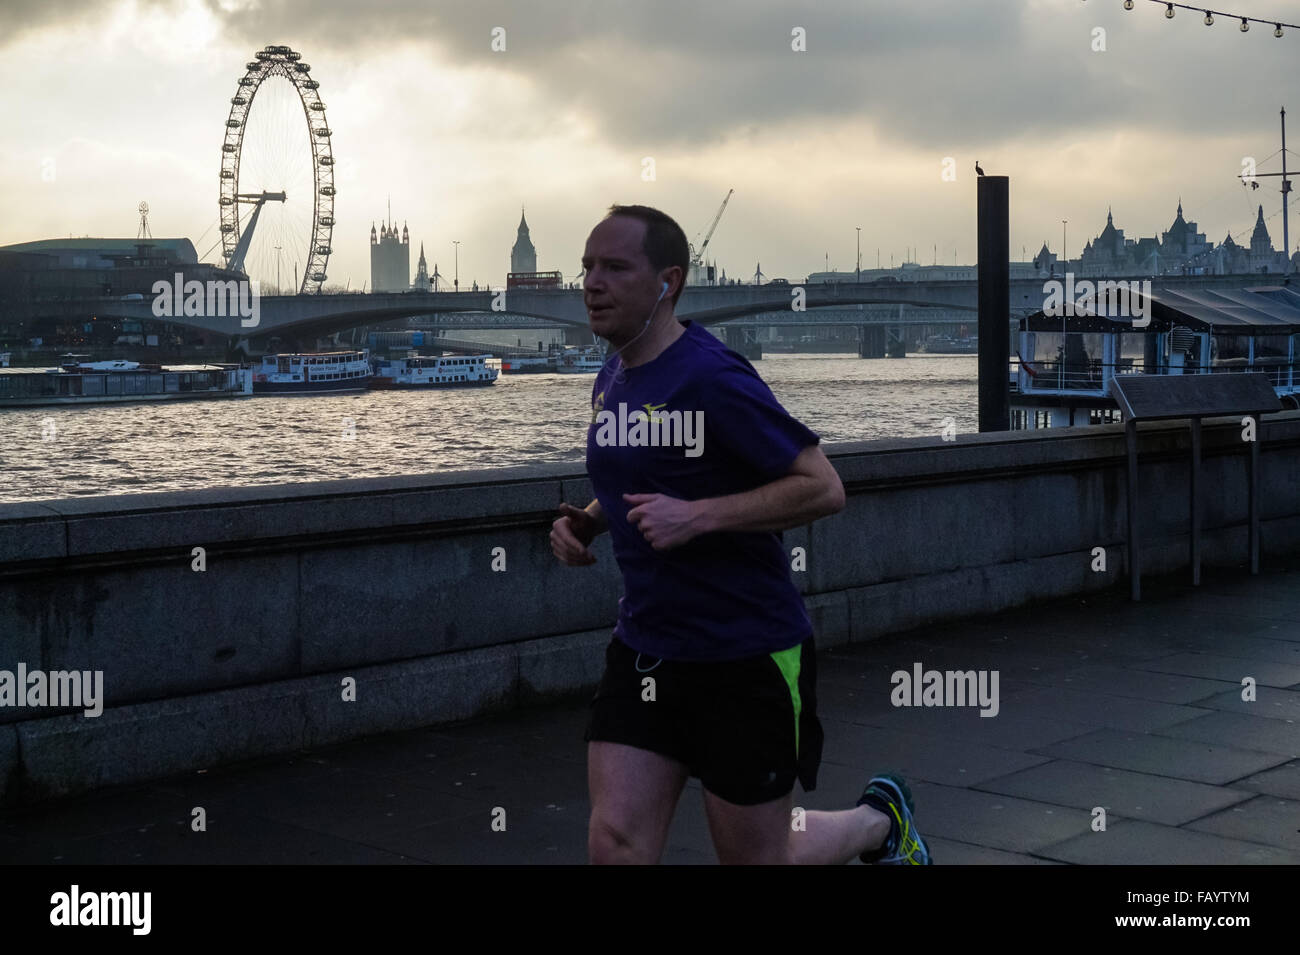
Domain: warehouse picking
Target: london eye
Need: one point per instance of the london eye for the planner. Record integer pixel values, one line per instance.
(277, 176)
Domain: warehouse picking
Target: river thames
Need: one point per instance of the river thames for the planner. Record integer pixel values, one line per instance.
(89, 450)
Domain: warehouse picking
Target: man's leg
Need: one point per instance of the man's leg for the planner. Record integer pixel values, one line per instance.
(634, 793)
(766, 834)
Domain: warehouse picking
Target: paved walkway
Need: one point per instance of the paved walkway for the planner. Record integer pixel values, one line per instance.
(1133, 707)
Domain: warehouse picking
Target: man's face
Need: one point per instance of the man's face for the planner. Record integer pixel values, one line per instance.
(620, 286)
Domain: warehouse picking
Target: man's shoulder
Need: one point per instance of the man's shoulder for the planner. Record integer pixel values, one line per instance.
(714, 354)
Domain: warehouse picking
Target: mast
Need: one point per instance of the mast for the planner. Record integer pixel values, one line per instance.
(1286, 187)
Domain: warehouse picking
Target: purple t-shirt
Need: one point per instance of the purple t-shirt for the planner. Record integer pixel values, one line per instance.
(696, 422)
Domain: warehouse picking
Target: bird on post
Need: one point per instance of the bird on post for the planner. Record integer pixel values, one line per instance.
(978, 170)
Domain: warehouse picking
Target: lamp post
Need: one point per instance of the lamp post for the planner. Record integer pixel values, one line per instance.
(1065, 259)
(456, 279)
(859, 275)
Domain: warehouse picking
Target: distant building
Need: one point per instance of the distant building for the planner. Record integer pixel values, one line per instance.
(56, 273)
(390, 258)
(91, 253)
(523, 257)
(1180, 249)
(421, 273)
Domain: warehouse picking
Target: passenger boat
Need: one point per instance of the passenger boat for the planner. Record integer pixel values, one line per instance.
(312, 373)
(579, 359)
(559, 359)
(1065, 366)
(435, 371)
(80, 382)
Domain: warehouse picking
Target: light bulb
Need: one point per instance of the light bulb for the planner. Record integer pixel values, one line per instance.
(1245, 25)
(1278, 31)
(1169, 11)
(1209, 18)
(1128, 4)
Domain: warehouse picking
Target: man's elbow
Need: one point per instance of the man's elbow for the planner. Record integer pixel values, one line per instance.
(833, 495)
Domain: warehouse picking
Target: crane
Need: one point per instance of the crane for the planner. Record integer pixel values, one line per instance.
(697, 257)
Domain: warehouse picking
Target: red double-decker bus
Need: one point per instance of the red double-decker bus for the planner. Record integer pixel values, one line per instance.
(534, 280)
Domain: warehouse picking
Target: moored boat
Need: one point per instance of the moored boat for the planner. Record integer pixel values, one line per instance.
(312, 373)
(1065, 366)
(579, 359)
(78, 382)
(434, 371)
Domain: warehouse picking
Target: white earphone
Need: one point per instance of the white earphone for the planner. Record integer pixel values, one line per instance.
(663, 290)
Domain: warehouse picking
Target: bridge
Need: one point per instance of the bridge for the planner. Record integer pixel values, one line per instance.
(740, 308)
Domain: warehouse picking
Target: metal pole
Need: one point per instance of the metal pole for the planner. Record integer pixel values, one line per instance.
(456, 243)
(1253, 479)
(1286, 187)
(994, 297)
(1131, 490)
(858, 277)
(1194, 494)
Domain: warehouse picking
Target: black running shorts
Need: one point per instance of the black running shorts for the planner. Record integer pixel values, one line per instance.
(746, 728)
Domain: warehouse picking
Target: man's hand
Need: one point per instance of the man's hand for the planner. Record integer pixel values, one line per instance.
(665, 522)
(571, 534)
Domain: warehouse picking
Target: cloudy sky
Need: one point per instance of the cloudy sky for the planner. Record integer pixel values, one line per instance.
(109, 103)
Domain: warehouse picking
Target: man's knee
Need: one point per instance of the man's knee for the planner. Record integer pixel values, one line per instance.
(610, 843)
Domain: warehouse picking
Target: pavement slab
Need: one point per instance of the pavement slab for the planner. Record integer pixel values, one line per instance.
(1121, 792)
(1281, 781)
(1267, 820)
(1135, 842)
(1164, 756)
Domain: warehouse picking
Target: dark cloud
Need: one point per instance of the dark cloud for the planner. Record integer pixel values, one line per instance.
(951, 76)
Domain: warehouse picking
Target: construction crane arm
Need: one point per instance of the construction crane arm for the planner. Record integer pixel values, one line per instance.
(699, 256)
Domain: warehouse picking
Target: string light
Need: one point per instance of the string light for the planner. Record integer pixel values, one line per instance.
(1210, 14)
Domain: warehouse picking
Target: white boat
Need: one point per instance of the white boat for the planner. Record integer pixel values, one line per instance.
(577, 360)
(435, 371)
(312, 373)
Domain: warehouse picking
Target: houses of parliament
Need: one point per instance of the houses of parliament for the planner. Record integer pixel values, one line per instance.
(1181, 249)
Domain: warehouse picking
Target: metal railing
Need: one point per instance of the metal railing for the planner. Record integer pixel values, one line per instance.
(1093, 376)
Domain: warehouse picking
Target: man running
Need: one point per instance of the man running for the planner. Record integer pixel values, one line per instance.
(711, 671)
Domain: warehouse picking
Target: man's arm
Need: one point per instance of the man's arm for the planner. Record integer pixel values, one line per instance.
(811, 490)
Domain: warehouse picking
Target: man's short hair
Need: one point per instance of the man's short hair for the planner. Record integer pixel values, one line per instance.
(665, 243)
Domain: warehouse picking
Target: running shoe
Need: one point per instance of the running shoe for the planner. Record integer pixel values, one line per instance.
(890, 794)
